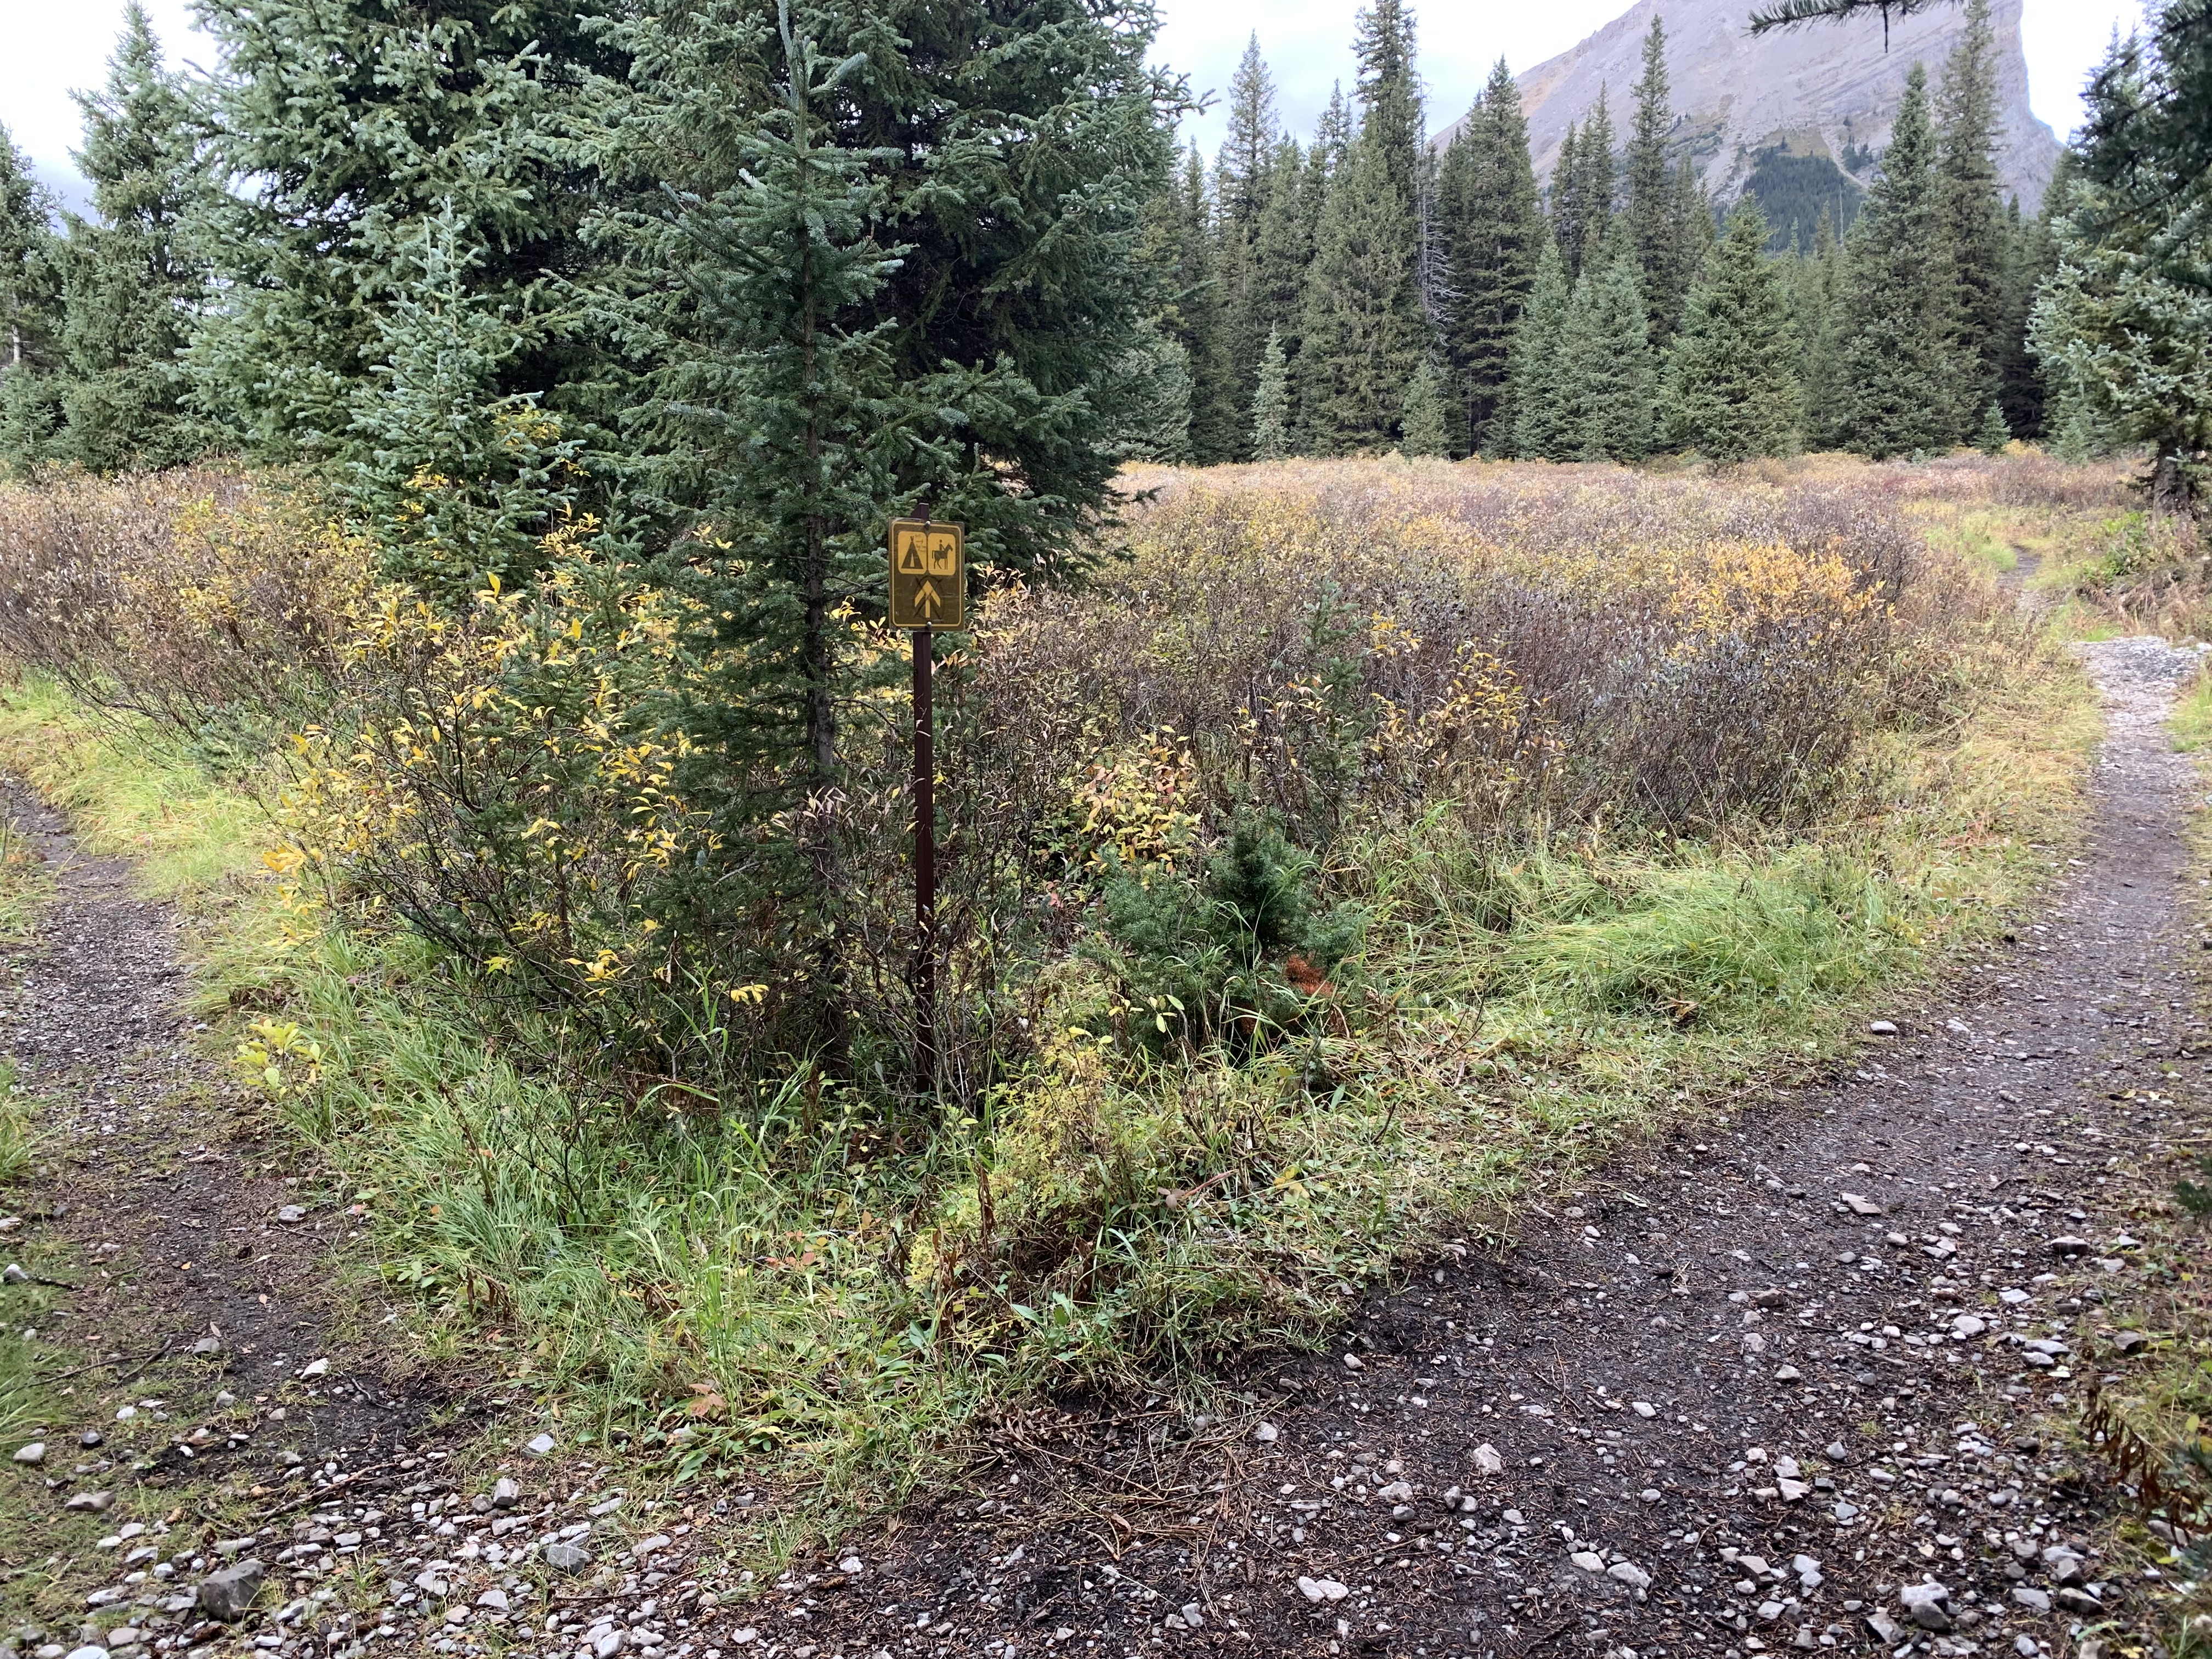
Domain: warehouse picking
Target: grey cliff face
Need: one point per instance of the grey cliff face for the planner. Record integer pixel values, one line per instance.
(1825, 89)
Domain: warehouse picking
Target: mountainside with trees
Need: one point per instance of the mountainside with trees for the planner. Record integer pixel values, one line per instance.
(1822, 99)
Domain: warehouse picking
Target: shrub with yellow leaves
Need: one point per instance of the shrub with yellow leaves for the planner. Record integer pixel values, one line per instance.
(278, 1057)
(213, 602)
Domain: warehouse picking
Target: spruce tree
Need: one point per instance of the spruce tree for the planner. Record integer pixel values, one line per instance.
(1248, 151)
(1695, 229)
(134, 280)
(1332, 143)
(1242, 191)
(1970, 213)
(1608, 375)
(1900, 372)
(1153, 380)
(1282, 249)
(1653, 205)
(1816, 293)
(30, 314)
(1992, 435)
(1490, 227)
(1006, 310)
(1194, 316)
(1562, 205)
(2033, 258)
(1583, 182)
(355, 124)
(1426, 419)
(2121, 326)
(1271, 403)
(1731, 389)
(1365, 329)
(1390, 120)
(1541, 425)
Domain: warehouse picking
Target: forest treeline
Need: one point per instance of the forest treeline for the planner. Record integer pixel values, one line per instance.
(1373, 290)
(497, 249)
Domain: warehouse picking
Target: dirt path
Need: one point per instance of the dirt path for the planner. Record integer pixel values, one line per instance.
(1760, 1392)
(201, 1299)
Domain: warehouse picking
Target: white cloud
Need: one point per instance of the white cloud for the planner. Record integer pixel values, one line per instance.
(54, 49)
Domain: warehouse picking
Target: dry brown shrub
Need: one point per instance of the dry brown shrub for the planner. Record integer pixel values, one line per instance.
(210, 601)
(1684, 650)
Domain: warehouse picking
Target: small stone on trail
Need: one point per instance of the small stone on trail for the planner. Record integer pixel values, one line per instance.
(1321, 1590)
(87, 1653)
(1588, 1560)
(1881, 1027)
(542, 1446)
(227, 1595)
(1629, 1574)
(90, 1437)
(1787, 1374)
(207, 1346)
(1267, 1434)
(2069, 1245)
(1352, 1363)
(33, 1453)
(2130, 1341)
(505, 1493)
(851, 1566)
(1488, 1459)
(291, 1215)
(494, 1599)
(2033, 1600)
(1923, 1603)
(1861, 1204)
(1643, 1408)
(94, 1501)
(566, 1558)
(315, 1368)
(13, 1274)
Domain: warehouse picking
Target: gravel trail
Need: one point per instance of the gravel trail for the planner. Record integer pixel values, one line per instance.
(201, 1351)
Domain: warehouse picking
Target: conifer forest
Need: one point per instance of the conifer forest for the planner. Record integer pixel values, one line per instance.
(1558, 1004)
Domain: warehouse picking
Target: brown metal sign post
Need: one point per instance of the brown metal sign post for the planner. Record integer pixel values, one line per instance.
(928, 591)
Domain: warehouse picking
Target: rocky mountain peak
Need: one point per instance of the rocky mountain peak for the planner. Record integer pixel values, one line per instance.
(1795, 115)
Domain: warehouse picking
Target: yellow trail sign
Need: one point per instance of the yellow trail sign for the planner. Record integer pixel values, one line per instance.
(929, 574)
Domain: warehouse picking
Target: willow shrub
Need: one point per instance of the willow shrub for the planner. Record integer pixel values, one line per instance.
(1334, 651)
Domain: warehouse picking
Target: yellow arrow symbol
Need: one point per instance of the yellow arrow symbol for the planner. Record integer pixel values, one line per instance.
(926, 599)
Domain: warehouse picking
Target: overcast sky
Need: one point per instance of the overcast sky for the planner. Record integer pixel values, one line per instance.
(54, 47)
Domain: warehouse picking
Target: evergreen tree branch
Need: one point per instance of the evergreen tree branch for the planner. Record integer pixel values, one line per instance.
(1790, 14)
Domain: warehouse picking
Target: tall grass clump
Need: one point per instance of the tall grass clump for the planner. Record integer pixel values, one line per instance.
(1364, 846)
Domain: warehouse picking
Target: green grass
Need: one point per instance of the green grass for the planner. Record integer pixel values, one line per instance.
(2192, 717)
(130, 794)
(816, 1298)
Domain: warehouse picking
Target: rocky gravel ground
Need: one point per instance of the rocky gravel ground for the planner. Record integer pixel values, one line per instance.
(1785, 1382)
